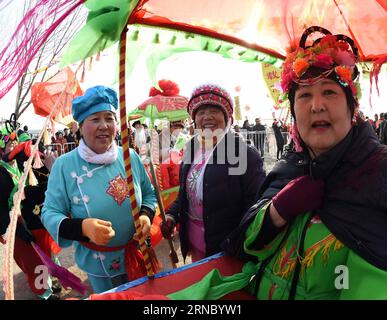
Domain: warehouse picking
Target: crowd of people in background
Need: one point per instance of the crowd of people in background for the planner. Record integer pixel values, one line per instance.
(256, 135)
(379, 125)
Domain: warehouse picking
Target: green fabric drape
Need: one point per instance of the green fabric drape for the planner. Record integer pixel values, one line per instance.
(104, 24)
(214, 286)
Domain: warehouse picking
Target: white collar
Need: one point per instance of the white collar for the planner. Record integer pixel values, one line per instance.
(98, 158)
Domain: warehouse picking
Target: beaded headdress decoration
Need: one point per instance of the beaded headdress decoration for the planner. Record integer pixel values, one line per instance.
(210, 94)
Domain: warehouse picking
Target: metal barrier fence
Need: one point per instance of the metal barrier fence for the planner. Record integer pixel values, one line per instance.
(61, 148)
(264, 141)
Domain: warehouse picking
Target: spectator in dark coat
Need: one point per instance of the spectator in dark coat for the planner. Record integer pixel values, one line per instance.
(383, 131)
(259, 136)
(279, 139)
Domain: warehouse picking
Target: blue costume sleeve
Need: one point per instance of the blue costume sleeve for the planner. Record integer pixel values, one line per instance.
(56, 206)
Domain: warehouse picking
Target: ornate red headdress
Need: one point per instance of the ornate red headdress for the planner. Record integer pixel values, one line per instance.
(333, 53)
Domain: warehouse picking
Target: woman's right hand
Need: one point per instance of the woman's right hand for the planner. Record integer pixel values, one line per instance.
(98, 231)
(168, 227)
(298, 196)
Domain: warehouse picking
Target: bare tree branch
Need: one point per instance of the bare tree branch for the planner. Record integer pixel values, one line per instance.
(46, 58)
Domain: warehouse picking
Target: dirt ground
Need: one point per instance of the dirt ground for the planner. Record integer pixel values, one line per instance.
(66, 257)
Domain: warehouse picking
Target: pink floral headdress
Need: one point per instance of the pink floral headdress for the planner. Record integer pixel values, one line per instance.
(335, 53)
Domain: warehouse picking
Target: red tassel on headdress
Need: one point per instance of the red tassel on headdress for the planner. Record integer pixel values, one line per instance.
(374, 74)
(296, 138)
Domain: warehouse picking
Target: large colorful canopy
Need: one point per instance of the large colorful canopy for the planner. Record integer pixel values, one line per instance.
(271, 25)
(267, 26)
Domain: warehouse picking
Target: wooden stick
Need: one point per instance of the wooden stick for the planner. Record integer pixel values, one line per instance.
(125, 147)
(172, 253)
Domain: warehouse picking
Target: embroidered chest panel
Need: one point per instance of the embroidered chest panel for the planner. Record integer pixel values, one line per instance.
(118, 189)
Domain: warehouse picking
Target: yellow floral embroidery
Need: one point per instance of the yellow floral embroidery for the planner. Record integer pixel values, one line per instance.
(36, 210)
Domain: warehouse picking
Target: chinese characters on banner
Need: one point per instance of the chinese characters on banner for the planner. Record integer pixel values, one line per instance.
(271, 75)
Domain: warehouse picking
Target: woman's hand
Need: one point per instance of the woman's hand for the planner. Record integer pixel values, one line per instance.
(2, 240)
(98, 231)
(145, 227)
(168, 227)
(297, 197)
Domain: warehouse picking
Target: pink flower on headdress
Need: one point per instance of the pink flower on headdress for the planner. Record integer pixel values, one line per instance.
(286, 80)
(345, 58)
(300, 66)
(323, 60)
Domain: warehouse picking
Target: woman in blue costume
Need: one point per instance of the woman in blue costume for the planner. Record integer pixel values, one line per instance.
(87, 200)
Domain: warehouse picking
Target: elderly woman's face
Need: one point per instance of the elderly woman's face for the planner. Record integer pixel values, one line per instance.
(98, 131)
(210, 117)
(322, 114)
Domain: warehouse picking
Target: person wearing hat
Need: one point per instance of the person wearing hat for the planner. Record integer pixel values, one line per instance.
(15, 152)
(219, 177)
(319, 230)
(87, 202)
